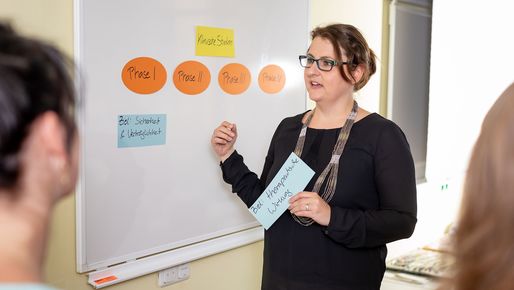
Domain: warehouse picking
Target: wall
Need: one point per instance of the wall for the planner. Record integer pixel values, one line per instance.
(468, 73)
(50, 20)
(238, 269)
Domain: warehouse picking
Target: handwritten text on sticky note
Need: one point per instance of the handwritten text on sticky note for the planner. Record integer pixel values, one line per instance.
(292, 178)
(141, 130)
(213, 41)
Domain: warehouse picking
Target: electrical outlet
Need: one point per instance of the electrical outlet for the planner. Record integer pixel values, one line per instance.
(173, 275)
(183, 271)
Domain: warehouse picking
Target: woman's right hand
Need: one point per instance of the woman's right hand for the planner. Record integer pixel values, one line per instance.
(223, 139)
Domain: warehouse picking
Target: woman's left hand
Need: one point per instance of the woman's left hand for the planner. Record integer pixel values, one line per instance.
(310, 204)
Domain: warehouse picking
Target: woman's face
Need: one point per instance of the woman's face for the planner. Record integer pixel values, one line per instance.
(325, 86)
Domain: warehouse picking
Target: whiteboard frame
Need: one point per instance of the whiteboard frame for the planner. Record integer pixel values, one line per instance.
(79, 194)
(156, 262)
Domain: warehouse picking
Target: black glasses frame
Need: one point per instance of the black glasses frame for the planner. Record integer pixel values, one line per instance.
(331, 61)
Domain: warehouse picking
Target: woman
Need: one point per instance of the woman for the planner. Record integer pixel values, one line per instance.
(38, 152)
(484, 240)
(335, 234)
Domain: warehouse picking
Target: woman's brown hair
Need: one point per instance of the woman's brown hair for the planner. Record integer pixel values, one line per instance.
(484, 241)
(350, 40)
(34, 78)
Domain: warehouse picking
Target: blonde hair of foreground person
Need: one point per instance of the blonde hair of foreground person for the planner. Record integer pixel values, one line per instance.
(484, 240)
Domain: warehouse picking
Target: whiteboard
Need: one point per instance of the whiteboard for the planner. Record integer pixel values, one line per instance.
(471, 65)
(138, 201)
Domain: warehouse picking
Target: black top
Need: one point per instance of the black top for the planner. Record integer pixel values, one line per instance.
(374, 204)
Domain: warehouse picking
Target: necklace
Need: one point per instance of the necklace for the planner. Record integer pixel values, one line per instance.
(330, 171)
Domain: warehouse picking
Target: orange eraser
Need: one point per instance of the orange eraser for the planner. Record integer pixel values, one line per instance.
(105, 280)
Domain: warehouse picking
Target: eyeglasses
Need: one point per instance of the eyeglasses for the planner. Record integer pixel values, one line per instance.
(323, 63)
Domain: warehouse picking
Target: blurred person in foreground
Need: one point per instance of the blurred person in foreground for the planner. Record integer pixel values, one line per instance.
(484, 240)
(38, 152)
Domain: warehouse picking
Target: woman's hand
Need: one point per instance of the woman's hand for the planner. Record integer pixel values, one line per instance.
(223, 140)
(311, 205)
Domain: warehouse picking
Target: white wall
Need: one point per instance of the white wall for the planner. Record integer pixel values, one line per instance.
(472, 63)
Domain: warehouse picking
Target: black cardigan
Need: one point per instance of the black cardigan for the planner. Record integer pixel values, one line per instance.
(374, 204)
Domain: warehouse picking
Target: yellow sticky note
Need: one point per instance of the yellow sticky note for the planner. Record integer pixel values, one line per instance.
(213, 41)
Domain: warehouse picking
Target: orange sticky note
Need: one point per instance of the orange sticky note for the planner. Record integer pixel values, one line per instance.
(191, 77)
(144, 75)
(234, 78)
(272, 79)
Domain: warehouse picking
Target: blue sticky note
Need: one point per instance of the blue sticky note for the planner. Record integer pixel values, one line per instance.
(292, 178)
(141, 130)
